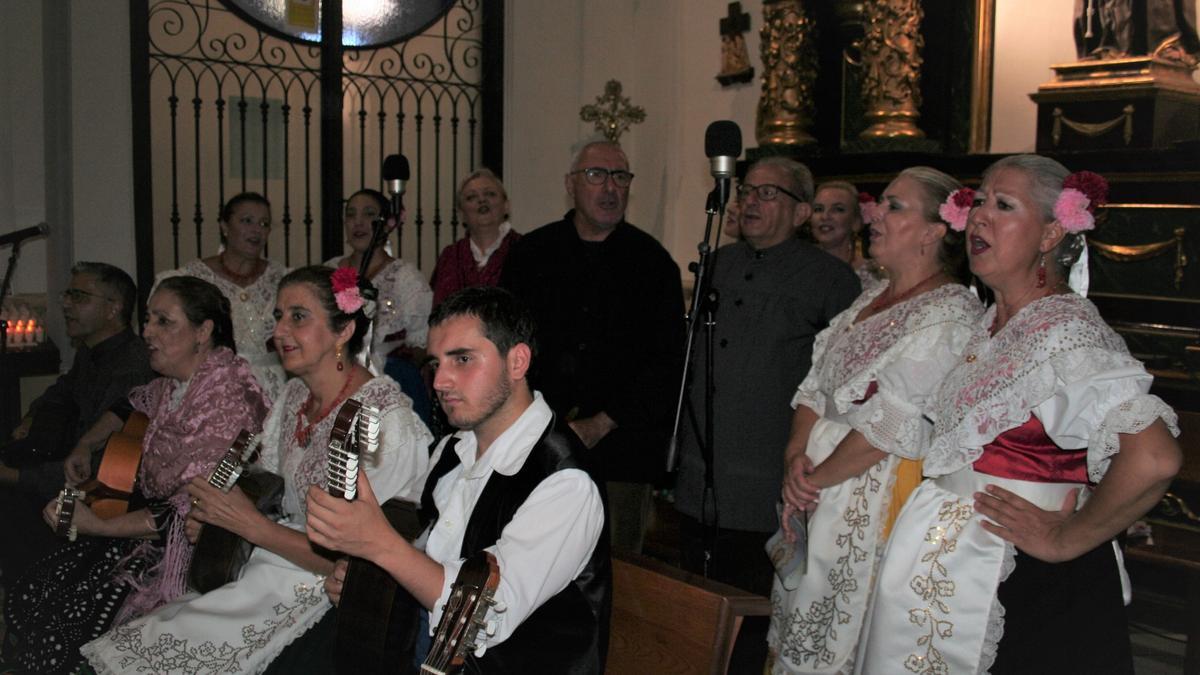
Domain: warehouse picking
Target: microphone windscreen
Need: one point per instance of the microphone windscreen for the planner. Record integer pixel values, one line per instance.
(723, 138)
(395, 167)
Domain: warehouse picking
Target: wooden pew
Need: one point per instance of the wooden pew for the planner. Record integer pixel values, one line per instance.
(667, 621)
(1177, 549)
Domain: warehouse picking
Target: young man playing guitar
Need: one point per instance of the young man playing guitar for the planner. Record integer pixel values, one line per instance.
(507, 483)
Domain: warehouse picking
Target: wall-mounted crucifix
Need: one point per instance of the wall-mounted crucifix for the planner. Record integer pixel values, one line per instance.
(735, 58)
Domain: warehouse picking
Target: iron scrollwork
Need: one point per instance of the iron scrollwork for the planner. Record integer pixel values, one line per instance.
(262, 92)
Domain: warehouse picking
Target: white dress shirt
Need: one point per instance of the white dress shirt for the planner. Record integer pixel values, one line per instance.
(543, 548)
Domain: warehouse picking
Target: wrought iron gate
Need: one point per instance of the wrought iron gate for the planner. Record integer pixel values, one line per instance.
(231, 108)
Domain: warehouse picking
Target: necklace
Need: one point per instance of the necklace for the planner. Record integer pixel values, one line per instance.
(240, 279)
(881, 303)
(303, 431)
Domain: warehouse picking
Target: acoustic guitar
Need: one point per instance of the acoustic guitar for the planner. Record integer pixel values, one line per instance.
(376, 619)
(108, 493)
(220, 554)
(465, 614)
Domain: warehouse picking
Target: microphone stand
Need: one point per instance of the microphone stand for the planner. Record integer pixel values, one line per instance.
(705, 299)
(4, 288)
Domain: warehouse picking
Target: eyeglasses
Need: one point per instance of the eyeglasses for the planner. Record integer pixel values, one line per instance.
(77, 296)
(596, 175)
(766, 193)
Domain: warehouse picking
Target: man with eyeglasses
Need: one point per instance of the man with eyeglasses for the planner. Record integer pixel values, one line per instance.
(608, 303)
(110, 359)
(776, 293)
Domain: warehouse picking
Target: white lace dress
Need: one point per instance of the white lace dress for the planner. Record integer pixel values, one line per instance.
(935, 608)
(253, 309)
(873, 377)
(402, 316)
(243, 625)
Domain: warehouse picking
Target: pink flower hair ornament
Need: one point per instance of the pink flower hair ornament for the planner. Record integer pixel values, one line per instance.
(869, 208)
(957, 207)
(1076, 205)
(345, 290)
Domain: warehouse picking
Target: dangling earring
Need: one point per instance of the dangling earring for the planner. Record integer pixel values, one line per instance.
(340, 366)
(1041, 273)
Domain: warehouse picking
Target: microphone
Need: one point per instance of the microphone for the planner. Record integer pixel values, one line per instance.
(15, 238)
(395, 172)
(722, 145)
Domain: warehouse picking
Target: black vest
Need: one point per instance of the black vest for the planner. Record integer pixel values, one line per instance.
(569, 633)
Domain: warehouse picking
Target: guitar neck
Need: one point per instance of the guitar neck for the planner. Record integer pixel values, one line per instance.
(65, 511)
(464, 615)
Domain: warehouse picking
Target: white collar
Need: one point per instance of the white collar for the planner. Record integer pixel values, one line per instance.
(482, 256)
(508, 452)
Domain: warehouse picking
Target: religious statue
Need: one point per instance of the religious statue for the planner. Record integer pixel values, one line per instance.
(1108, 29)
(735, 58)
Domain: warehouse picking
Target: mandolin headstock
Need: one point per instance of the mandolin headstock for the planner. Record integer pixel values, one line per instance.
(355, 433)
(225, 475)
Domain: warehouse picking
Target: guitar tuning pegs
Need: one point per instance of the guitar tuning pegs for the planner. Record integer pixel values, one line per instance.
(490, 628)
(498, 607)
(479, 650)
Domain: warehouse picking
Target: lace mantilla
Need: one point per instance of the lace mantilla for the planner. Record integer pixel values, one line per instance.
(1051, 343)
(253, 309)
(848, 357)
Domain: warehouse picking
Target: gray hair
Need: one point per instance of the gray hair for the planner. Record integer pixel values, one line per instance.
(593, 144)
(481, 172)
(800, 176)
(1046, 178)
(936, 186)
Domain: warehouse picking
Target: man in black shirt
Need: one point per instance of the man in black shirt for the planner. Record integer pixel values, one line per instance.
(608, 303)
(109, 361)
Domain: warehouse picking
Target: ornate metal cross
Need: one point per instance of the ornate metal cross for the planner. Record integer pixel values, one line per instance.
(612, 112)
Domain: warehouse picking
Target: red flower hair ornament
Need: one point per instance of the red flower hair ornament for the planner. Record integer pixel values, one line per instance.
(1075, 207)
(956, 208)
(869, 208)
(347, 294)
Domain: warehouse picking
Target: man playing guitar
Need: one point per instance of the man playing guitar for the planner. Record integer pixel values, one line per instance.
(507, 484)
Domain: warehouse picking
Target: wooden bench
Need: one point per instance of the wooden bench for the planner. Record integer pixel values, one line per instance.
(667, 621)
(1178, 548)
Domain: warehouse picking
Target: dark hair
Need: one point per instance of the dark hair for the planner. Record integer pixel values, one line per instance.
(115, 281)
(385, 204)
(234, 201)
(507, 322)
(321, 279)
(937, 186)
(202, 302)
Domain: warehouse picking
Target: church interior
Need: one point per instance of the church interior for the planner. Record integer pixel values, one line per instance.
(124, 125)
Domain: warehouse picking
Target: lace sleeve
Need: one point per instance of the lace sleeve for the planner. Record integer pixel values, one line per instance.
(809, 394)
(1128, 417)
(893, 419)
(398, 468)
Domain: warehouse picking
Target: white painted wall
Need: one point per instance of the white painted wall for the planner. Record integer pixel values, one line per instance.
(22, 175)
(666, 53)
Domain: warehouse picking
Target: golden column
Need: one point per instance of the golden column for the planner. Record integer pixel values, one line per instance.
(789, 55)
(891, 61)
